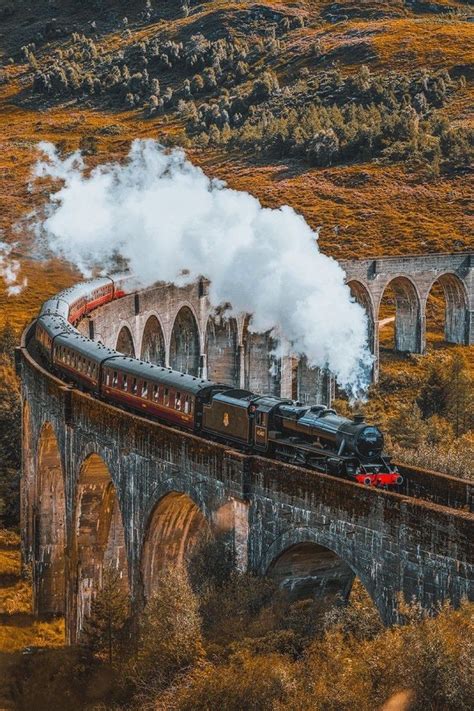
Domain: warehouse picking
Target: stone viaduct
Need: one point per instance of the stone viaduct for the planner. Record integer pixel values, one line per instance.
(411, 280)
(101, 486)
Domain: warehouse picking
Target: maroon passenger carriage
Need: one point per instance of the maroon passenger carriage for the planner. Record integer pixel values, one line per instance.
(315, 437)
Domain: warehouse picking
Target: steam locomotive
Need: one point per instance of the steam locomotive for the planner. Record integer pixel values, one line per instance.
(315, 437)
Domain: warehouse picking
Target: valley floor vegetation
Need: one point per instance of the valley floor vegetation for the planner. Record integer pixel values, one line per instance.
(213, 639)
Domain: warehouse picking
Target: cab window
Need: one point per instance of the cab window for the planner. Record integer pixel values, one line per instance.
(260, 419)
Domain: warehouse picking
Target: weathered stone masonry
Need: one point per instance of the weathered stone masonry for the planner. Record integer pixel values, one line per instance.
(137, 495)
(412, 279)
(177, 326)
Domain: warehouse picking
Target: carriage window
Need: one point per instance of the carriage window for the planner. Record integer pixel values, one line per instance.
(125, 385)
(186, 404)
(155, 392)
(115, 378)
(145, 389)
(134, 385)
(166, 398)
(177, 401)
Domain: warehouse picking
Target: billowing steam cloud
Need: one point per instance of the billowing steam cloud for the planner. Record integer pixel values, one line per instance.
(10, 269)
(164, 216)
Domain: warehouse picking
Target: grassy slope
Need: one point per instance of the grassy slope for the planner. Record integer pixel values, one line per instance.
(375, 209)
(18, 627)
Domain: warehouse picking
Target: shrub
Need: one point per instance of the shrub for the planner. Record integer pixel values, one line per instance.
(169, 634)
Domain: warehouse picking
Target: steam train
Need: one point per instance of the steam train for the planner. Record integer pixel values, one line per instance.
(315, 437)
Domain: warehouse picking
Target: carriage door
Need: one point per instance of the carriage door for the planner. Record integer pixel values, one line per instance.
(261, 429)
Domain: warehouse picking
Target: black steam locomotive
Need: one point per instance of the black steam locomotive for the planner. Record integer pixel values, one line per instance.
(315, 437)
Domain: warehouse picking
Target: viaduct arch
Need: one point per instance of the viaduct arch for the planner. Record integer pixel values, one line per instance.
(102, 487)
(412, 278)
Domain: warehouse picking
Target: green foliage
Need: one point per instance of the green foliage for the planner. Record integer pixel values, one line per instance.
(460, 395)
(169, 634)
(212, 564)
(8, 341)
(433, 395)
(10, 432)
(407, 427)
(104, 628)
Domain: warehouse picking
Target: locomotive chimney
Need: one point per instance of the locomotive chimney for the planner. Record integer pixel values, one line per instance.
(359, 418)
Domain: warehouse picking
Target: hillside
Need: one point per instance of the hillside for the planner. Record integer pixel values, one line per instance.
(356, 114)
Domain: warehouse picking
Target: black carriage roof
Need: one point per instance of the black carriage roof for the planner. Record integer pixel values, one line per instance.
(55, 324)
(160, 374)
(84, 346)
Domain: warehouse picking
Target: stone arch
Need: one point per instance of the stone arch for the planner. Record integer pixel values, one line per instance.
(262, 364)
(222, 350)
(362, 295)
(408, 327)
(153, 343)
(185, 343)
(125, 343)
(49, 528)
(99, 539)
(456, 307)
(309, 570)
(175, 526)
(307, 565)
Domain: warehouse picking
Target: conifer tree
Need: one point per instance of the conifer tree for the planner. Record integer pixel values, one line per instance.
(104, 627)
(460, 396)
(8, 340)
(169, 638)
(434, 392)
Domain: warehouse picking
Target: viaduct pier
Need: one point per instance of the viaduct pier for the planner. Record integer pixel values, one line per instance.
(102, 486)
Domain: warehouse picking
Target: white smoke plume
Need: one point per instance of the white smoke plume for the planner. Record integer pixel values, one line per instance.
(164, 216)
(10, 270)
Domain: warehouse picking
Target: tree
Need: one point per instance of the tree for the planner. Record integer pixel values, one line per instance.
(8, 340)
(169, 633)
(104, 627)
(460, 396)
(434, 392)
(407, 427)
(323, 147)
